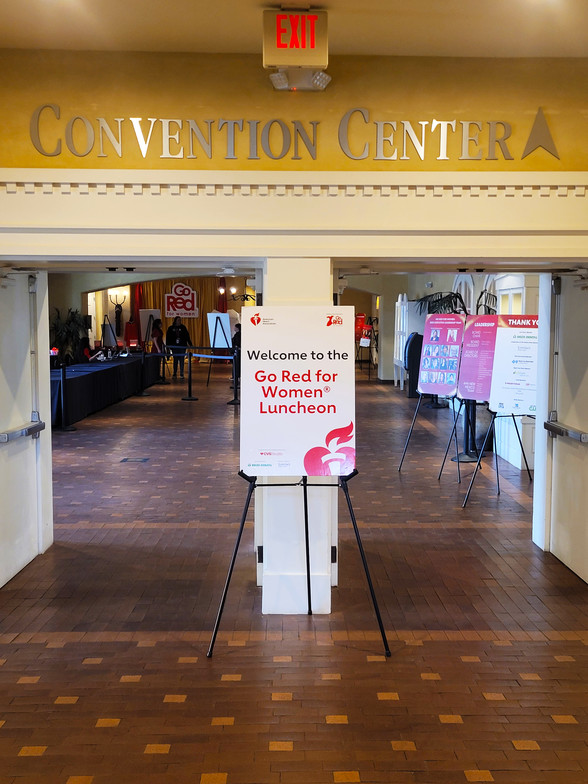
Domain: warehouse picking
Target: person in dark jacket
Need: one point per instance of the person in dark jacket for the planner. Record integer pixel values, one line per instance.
(177, 338)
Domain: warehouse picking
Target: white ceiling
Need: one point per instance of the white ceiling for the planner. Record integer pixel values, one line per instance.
(445, 28)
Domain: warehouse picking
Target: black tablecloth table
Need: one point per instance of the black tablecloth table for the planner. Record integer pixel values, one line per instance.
(93, 386)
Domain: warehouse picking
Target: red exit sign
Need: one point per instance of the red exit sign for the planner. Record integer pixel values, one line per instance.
(295, 39)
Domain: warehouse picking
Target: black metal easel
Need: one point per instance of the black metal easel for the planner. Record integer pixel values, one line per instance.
(491, 429)
(469, 438)
(343, 480)
(453, 433)
(228, 345)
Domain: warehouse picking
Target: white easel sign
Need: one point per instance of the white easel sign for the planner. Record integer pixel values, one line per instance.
(298, 391)
(514, 374)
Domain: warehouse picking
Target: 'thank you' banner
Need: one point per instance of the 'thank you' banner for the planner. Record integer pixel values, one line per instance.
(298, 391)
(514, 375)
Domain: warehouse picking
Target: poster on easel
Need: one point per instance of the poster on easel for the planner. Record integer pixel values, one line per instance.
(219, 330)
(298, 391)
(514, 373)
(440, 354)
(365, 340)
(146, 318)
(477, 358)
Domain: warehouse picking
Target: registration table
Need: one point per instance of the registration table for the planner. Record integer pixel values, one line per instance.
(93, 386)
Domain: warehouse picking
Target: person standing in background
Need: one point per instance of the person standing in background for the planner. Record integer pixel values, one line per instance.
(177, 339)
(157, 345)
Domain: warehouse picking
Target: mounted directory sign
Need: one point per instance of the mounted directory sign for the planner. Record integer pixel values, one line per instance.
(440, 354)
(298, 391)
(477, 358)
(514, 374)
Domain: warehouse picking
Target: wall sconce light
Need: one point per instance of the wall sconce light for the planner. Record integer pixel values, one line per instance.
(243, 297)
(221, 290)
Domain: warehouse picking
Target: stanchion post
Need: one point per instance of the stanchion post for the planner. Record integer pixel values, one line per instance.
(141, 392)
(236, 364)
(64, 412)
(189, 396)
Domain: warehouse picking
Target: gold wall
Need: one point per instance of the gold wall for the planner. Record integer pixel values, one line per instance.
(177, 88)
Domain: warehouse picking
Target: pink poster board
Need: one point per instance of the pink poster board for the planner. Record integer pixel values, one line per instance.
(477, 358)
(440, 354)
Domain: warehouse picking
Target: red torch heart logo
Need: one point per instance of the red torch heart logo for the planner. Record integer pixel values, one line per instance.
(333, 459)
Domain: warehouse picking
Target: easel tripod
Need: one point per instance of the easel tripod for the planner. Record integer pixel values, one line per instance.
(226, 344)
(343, 480)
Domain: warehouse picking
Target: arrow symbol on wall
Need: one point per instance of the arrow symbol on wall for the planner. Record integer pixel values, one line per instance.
(540, 136)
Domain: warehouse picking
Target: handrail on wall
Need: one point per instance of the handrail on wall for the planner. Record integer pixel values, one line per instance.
(32, 429)
(555, 428)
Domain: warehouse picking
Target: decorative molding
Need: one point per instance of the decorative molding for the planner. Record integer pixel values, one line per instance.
(292, 189)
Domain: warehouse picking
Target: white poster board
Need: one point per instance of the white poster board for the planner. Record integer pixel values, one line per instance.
(514, 373)
(298, 391)
(144, 315)
(219, 330)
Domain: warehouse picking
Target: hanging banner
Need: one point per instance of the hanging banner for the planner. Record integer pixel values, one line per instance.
(477, 358)
(514, 373)
(298, 391)
(182, 301)
(440, 354)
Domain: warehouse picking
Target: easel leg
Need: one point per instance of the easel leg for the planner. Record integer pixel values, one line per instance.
(456, 418)
(452, 434)
(343, 485)
(480, 456)
(252, 480)
(307, 542)
(495, 456)
(514, 421)
(418, 405)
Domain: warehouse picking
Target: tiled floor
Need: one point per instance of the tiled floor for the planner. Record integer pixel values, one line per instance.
(104, 677)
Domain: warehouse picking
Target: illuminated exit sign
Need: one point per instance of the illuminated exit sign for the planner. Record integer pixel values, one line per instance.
(295, 39)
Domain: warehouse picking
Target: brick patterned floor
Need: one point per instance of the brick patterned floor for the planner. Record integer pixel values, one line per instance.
(103, 671)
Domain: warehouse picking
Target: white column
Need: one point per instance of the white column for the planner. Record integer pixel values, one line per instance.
(295, 281)
(541, 531)
(279, 511)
